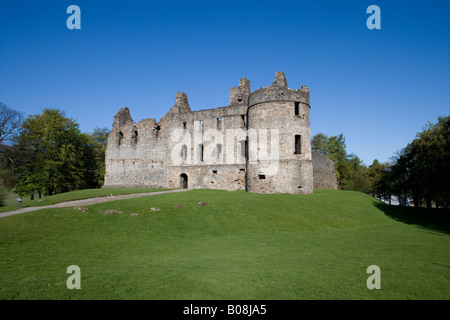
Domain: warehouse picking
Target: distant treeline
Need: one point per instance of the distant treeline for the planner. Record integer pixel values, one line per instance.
(419, 173)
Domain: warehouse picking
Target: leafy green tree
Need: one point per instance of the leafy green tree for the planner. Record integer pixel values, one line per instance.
(351, 173)
(97, 141)
(51, 155)
(431, 152)
(379, 178)
(319, 143)
(422, 169)
(100, 135)
(331, 147)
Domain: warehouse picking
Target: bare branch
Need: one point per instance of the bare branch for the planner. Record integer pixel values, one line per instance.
(10, 122)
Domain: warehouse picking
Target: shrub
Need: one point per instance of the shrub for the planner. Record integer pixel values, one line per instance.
(3, 196)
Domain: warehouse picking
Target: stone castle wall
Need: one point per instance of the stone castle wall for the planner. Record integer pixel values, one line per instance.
(219, 148)
(324, 172)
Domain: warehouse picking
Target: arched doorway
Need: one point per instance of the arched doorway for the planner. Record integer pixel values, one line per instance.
(184, 181)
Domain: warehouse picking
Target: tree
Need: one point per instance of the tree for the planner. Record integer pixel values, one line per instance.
(97, 141)
(51, 155)
(10, 121)
(319, 143)
(351, 173)
(331, 147)
(100, 135)
(379, 179)
(422, 169)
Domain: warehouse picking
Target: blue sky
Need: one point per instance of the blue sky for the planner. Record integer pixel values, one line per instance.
(377, 87)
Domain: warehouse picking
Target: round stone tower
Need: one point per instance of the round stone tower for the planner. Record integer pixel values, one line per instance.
(279, 139)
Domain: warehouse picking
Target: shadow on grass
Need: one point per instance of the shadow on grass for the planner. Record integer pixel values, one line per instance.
(433, 219)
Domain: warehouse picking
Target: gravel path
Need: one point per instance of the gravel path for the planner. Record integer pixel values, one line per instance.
(87, 202)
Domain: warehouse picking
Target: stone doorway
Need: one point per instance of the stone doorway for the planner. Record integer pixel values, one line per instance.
(184, 181)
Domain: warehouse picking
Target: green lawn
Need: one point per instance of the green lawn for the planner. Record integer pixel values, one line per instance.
(68, 196)
(239, 246)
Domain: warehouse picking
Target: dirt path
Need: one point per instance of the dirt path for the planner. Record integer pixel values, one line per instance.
(87, 202)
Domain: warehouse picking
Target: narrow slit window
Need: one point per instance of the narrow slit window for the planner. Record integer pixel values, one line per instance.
(184, 152)
(243, 120)
(201, 125)
(156, 130)
(243, 144)
(219, 123)
(134, 137)
(297, 108)
(200, 152)
(298, 144)
(184, 125)
(119, 138)
(219, 151)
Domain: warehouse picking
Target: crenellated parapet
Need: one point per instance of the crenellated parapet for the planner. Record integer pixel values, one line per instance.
(240, 94)
(279, 91)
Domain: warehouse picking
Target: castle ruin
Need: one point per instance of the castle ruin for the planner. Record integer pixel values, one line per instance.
(260, 142)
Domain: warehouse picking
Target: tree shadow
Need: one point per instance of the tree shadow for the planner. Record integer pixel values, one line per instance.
(429, 218)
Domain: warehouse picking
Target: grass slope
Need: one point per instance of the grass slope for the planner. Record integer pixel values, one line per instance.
(69, 196)
(239, 246)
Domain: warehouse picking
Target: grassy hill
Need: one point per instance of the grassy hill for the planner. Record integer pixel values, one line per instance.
(237, 246)
(69, 196)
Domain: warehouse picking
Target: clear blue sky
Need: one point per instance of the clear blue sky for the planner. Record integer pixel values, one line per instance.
(377, 87)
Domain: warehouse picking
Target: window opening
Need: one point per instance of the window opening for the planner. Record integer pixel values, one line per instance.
(298, 144)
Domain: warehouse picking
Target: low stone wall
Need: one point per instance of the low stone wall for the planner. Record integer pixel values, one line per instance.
(324, 172)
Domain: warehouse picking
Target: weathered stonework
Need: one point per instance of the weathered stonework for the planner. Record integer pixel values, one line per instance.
(260, 142)
(324, 172)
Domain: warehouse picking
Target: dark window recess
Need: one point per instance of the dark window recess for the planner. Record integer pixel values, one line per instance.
(297, 108)
(214, 171)
(261, 176)
(242, 170)
(156, 130)
(246, 149)
(184, 152)
(134, 137)
(219, 150)
(243, 144)
(298, 144)
(184, 125)
(243, 123)
(200, 150)
(119, 138)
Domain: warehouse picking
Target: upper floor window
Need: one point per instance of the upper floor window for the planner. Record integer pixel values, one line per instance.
(134, 137)
(219, 123)
(218, 151)
(184, 152)
(297, 108)
(200, 152)
(298, 144)
(243, 121)
(119, 138)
